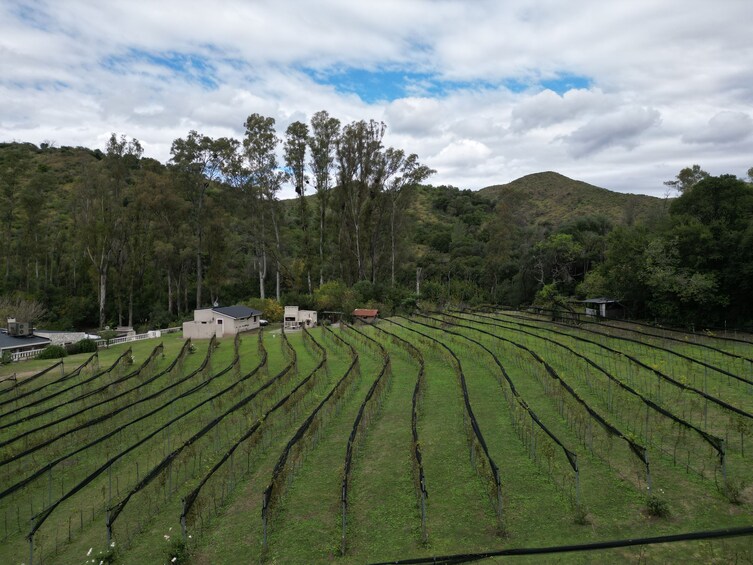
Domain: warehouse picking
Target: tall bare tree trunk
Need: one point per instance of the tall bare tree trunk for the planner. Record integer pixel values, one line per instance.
(262, 273)
(130, 301)
(102, 296)
(392, 237)
(169, 293)
(321, 247)
(198, 275)
(279, 251)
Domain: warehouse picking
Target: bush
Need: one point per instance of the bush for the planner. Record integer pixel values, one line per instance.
(580, 515)
(733, 491)
(83, 346)
(53, 352)
(86, 346)
(657, 507)
(6, 358)
(271, 310)
(177, 552)
(108, 334)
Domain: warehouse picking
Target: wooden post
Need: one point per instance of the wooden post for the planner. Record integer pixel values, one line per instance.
(183, 523)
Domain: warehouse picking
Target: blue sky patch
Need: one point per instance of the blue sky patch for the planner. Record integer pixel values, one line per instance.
(189, 66)
(386, 85)
(565, 82)
(33, 17)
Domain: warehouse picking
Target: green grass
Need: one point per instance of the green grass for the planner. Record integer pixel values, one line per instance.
(384, 520)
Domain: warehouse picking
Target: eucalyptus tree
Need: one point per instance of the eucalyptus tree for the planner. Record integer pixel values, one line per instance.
(101, 208)
(360, 173)
(259, 146)
(401, 174)
(325, 131)
(199, 160)
(687, 178)
(13, 169)
(296, 137)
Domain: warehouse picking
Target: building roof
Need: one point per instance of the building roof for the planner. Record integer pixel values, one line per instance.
(599, 301)
(237, 311)
(365, 312)
(13, 342)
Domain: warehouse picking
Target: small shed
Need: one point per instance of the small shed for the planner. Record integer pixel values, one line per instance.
(295, 318)
(366, 315)
(221, 321)
(604, 308)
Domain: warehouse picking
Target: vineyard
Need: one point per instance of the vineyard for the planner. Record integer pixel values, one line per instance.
(445, 433)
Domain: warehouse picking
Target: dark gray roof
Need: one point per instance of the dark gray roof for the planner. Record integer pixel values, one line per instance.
(237, 312)
(12, 342)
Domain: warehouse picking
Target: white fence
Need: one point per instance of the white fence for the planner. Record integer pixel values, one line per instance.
(22, 355)
(152, 334)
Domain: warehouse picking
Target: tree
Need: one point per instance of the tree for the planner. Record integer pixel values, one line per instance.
(555, 260)
(322, 143)
(296, 138)
(199, 160)
(101, 211)
(20, 308)
(360, 174)
(14, 166)
(687, 178)
(259, 145)
(403, 173)
(675, 288)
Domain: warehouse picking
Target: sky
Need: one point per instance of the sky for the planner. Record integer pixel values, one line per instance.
(621, 94)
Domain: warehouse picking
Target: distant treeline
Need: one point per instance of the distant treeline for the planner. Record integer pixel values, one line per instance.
(109, 237)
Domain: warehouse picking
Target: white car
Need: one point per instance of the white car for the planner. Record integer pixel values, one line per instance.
(263, 322)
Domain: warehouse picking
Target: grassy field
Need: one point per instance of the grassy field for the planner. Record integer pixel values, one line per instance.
(161, 451)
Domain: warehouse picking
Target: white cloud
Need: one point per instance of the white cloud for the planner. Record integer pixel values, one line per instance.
(622, 128)
(548, 108)
(661, 91)
(725, 127)
(462, 153)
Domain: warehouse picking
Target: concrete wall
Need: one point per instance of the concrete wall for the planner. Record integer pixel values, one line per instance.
(248, 324)
(307, 317)
(203, 315)
(198, 330)
(290, 319)
(295, 318)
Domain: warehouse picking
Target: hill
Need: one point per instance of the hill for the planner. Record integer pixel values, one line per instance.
(552, 198)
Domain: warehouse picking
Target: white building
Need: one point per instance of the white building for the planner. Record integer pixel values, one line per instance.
(221, 321)
(296, 318)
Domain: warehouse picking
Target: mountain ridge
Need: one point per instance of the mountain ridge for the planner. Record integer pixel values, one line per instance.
(549, 197)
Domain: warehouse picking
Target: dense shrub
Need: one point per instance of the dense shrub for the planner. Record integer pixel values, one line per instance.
(108, 334)
(271, 310)
(657, 507)
(53, 352)
(6, 358)
(83, 346)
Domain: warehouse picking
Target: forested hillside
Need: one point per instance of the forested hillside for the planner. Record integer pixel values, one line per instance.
(108, 237)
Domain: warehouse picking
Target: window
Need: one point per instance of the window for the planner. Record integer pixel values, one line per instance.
(219, 321)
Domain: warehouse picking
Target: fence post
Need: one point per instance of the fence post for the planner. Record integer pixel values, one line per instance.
(183, 523)
(264, 511)
(423, 517)
(345, 519)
